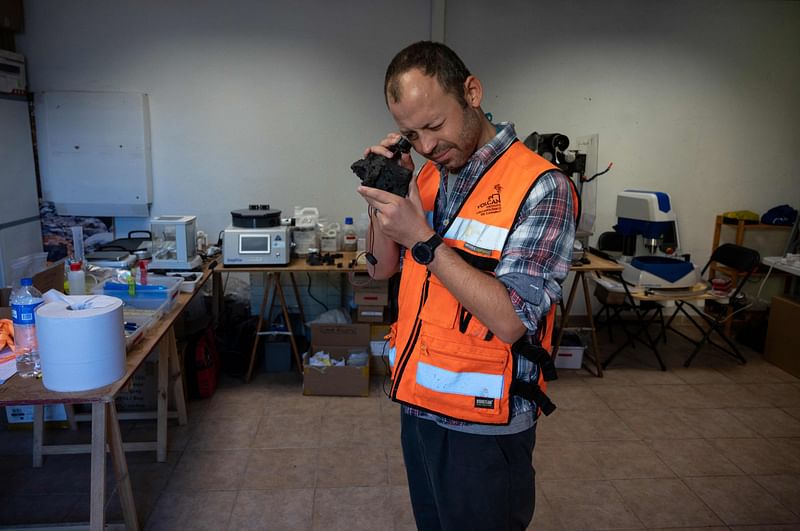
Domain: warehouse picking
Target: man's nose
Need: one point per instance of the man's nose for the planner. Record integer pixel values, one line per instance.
(427, 144)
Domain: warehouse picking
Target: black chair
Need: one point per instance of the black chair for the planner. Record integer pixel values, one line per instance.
(719, 309)
(613, 304)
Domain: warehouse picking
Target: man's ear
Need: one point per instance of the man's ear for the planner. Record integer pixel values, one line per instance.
(473, 91)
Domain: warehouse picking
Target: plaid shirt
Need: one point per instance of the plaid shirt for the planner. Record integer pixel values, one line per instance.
(538, 251)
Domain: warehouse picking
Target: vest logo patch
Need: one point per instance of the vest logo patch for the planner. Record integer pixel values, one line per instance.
(492, 205)
(484, 403)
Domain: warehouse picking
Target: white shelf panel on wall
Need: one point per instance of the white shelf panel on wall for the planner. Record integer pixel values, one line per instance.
(94, 152)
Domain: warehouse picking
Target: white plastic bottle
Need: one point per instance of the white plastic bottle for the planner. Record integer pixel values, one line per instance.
(362, 227)
(350, 242)
(77, 279)
(24, 301)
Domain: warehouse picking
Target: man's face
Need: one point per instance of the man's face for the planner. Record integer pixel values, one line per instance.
(435, 122)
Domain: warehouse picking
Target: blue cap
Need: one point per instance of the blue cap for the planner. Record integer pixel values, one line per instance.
(348, 220)
(27, 281)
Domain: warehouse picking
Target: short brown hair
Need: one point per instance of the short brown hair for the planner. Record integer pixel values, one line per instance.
(433, 59)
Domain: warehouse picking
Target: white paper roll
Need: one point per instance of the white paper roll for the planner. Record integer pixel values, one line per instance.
(81, 348)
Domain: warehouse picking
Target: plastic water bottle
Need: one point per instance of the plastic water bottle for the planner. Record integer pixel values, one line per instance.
(350, 242)
(24, 301)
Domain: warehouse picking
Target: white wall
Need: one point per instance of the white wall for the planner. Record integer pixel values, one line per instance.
(694, 98)
(255, 101)
(250, 101)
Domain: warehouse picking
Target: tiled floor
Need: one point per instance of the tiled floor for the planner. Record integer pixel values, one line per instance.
(716, 446)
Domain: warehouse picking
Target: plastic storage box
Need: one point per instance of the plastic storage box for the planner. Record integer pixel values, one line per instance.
(159, 289)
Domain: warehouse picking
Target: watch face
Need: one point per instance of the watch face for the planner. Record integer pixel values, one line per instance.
(422, 253)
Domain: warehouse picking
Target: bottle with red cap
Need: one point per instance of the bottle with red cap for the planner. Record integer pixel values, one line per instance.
(76, 279)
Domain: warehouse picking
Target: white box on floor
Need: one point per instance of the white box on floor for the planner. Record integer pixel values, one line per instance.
(569, 357)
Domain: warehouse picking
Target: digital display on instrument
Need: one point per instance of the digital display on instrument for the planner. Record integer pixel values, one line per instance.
(254, 243)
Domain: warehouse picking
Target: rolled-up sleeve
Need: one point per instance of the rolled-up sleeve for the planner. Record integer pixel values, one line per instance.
(538, 251)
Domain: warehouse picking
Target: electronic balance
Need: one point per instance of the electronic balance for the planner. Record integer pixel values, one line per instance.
(256, 237)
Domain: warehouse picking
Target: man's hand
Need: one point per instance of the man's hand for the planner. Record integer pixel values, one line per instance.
(398, 218)
(383, 149)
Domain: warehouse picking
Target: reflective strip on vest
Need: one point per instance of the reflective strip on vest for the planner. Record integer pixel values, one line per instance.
(459, 383)
(476, 235)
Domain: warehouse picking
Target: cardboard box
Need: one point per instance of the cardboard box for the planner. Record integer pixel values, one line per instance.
(370, 314)
(5, 305)
(371, 292)
(50, 278)
(379, 365)
(782, 341)
(379, 331)
(141, 393)
(340, 341)
(55, 415)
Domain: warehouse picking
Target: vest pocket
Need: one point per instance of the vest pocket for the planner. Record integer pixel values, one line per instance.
(463, 381)
(441, 308)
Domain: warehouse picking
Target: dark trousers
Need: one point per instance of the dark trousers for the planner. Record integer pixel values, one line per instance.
(461, 482)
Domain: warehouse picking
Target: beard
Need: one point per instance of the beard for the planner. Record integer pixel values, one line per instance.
(468, 140)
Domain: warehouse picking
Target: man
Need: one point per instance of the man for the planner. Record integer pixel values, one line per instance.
(486, 237)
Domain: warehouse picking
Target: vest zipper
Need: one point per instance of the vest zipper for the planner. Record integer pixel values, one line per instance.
(402, 361)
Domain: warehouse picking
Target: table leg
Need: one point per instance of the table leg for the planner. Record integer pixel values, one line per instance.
(217, 297)
(97, 497)
(38, 434)
(163, 390)
(121, 470)
(289, 327)
(176, 377)
(268, 280)
(297, 298)
(588, 301)
(562, 325)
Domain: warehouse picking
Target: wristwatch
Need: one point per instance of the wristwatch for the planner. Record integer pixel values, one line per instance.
(422, 252)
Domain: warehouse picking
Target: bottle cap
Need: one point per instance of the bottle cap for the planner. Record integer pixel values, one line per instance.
(75, 266)
(27, 281)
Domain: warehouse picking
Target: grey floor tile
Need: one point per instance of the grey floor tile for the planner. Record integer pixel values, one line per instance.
(768, 422)
(785, 488)
(657, 424)
(693, 457)
(582, 504)
(352, 509)
(207, 470)
(665, 503)
(223, 433)
(288, 431)
(738, 500)
(192, 511)
(357, 466)
(273, 510)
(284, 468)
(712, 423)
(758, 456)
(569, 397)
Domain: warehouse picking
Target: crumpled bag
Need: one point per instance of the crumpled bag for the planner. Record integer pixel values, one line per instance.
(6, 334)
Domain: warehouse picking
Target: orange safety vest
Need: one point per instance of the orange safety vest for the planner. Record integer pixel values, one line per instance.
(444, 360)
